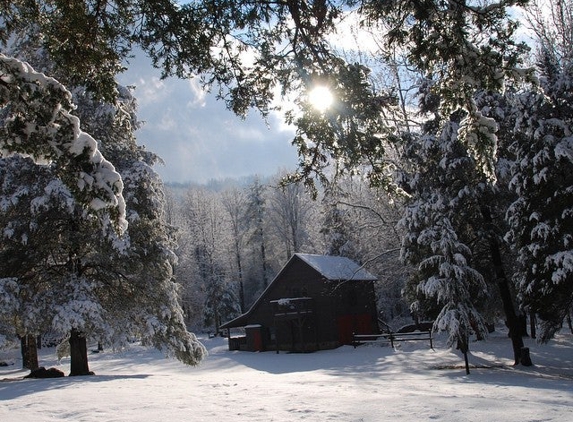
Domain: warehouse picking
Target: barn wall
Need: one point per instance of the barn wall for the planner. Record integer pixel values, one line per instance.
(355, 310)
(349, 304)
(296, 280)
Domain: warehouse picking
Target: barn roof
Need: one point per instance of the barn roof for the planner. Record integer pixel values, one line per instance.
(336, 267)
(333, 268)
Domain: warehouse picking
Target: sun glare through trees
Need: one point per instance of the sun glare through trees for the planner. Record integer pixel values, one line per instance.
(320, 98)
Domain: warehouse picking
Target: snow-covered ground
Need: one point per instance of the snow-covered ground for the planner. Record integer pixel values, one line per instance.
(370, 383)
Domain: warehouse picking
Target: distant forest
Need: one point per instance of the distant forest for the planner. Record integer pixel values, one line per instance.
(235, 235)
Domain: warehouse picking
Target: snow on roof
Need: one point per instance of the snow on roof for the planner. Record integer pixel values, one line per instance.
(336, 267)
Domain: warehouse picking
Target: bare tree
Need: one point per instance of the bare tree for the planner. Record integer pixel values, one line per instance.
(290, 213)
(234, 202)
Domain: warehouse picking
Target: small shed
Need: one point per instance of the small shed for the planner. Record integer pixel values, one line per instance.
(315, 302)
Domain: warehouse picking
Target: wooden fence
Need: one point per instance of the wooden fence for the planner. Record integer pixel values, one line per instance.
(393, 338)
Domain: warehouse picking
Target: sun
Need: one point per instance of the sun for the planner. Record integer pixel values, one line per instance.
(320, 98)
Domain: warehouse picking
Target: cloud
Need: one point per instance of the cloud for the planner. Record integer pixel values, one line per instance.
(197, 137)
(167, 122)
(150, 90)
(199, 94)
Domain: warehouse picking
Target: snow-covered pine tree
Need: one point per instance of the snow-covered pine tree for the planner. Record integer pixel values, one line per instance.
(27, 190)
(43, 227)
(438, 224)
(462, 49)
(113, 287)
(71, 279)
(541, 218)
(38, 121)
(147, 263)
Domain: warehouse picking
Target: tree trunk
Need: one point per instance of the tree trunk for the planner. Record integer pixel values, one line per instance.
(217, 320)
(508, 307)
(241, 284)
(532, 325)
(464, 346)
(264, 258)
(504, 290)
(29, 350)
(78, 354)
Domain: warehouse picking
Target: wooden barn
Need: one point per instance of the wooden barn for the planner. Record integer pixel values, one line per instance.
(315, 302)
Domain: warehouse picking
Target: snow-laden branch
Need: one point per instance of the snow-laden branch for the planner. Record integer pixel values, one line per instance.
(36, 120)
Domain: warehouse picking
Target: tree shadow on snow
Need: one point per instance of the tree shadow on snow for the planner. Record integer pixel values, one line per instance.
(343, 361)
(11, 388)
(552, 367)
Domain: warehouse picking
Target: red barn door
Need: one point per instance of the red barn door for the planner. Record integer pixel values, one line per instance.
(349, 324)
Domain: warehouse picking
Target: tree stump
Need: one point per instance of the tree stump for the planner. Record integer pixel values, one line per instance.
(525, 358)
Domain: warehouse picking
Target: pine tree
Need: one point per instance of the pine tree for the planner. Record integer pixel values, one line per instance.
(438, 225)
(111, 287)
(36, 111)
(26, 192)
(540, 218)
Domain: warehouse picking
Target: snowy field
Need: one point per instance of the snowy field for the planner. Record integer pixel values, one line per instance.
(370, 383)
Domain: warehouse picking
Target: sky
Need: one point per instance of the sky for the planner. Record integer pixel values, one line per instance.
(197, 137)
(372, 383)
